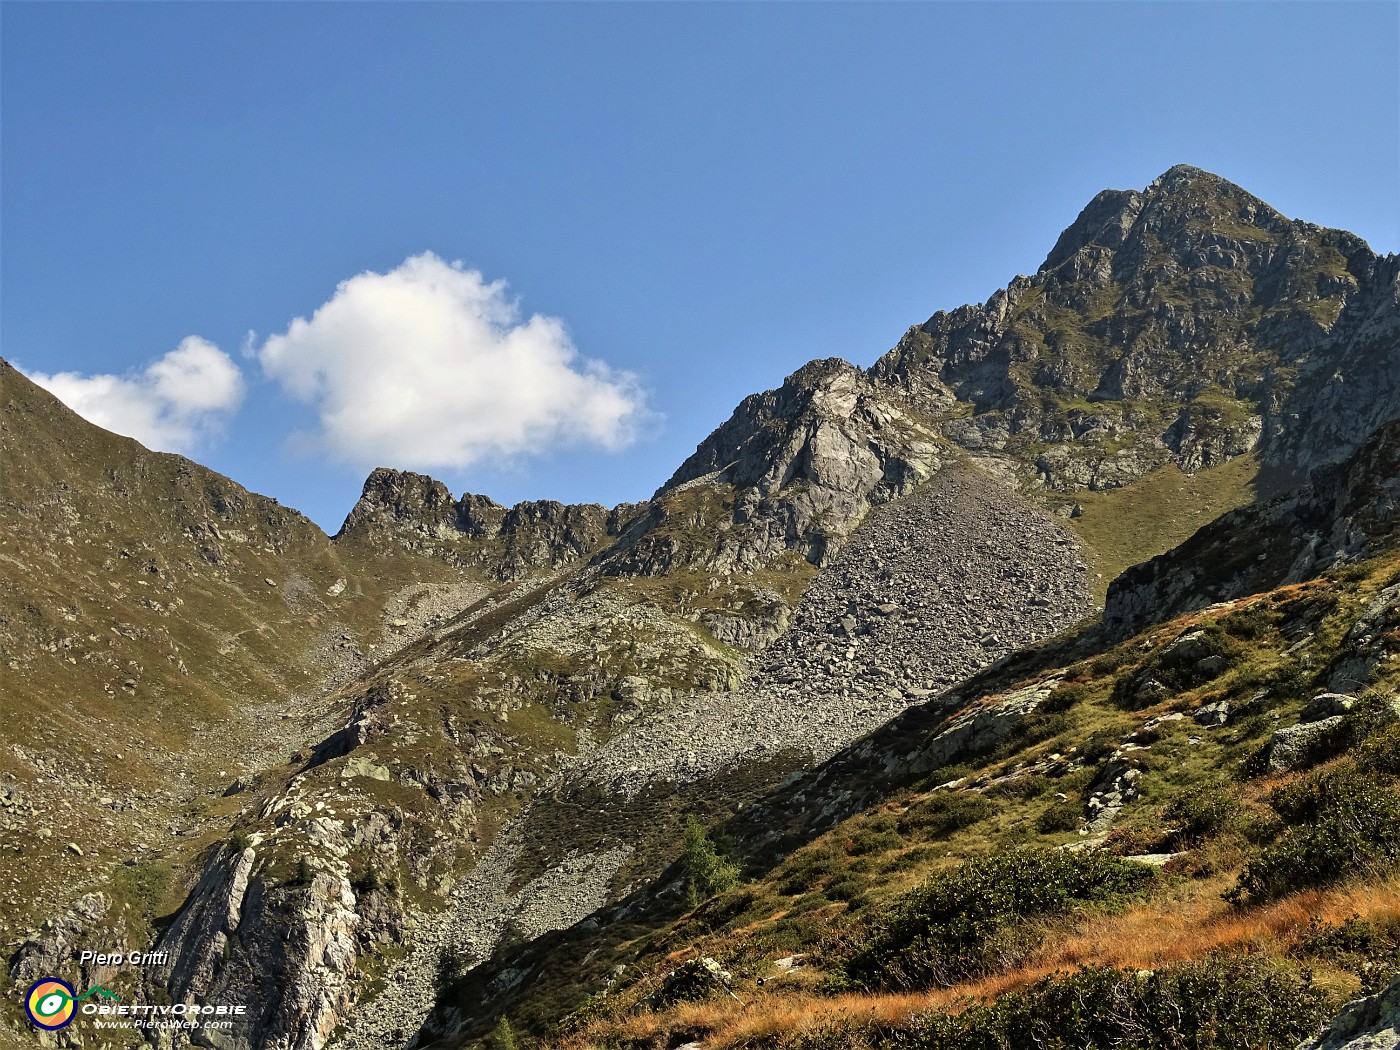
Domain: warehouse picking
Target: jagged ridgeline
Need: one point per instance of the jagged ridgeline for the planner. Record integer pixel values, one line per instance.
(362, 783)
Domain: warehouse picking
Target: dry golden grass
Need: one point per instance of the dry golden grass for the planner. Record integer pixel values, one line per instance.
(1143, 938)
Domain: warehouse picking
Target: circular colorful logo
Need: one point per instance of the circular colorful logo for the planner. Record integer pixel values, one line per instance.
(49, 1003)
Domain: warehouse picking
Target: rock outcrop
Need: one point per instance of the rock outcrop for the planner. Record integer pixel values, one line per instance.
(794, 469)
(285, 950)
(416, 513)
(1372, 1023)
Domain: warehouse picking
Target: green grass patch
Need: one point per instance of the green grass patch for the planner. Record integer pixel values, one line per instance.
(1132, 524)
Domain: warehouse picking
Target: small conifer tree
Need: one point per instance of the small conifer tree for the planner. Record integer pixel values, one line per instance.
(502, 1038)
(707, 872)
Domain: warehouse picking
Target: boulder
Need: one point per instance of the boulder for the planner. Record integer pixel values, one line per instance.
(1372, 1023)
(1290, 747)
(1326, 705)
(1212, 715)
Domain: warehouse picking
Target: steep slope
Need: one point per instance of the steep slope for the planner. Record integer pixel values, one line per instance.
(1348, 512)
(169, 640)
(155, 620)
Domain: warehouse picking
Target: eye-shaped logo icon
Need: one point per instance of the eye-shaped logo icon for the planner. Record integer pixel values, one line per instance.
(49, 1003)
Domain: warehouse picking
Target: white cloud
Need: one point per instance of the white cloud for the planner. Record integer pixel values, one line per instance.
(171, 405)
(430, 365)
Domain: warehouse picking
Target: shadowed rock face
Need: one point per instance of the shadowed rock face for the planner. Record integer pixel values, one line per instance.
(1348, 513)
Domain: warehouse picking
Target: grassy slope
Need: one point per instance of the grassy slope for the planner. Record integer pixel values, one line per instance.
(146, 661)
(151, 663)
(1125, 526)
(246, 647)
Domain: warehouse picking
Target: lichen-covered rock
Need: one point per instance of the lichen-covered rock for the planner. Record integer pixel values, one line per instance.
(694, 979)
(1372, 1023)
(981, 727)
(1291, 746)
(1326, 705)
(1113, 788)
(1212, 715)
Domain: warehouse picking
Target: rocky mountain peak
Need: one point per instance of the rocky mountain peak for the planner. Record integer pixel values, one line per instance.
(794, 468)
(1104, 222)
(1168, 324)
(403, 500)
(744, 446)
(416, 513)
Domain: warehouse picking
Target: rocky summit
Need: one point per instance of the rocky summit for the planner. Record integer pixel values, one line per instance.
(1037, 683)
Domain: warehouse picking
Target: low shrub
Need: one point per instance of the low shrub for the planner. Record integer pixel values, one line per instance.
(963, 922)
(1060, 816)
(1253, 622)
(1112, 661)
(1023, 787)
(718, 912)
(1215, 1004)
(870, 841)
(1290, 681)
(846, 886)
(1340, 822)
(946, 812)
(1371, 950)
(1033, 729)
(1099, 745)
(1381, 752)
(1201, 815)
(1066, 697)
(805, 868)
(1370, 728)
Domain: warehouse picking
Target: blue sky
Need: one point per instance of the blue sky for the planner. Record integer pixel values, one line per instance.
(690, 201)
